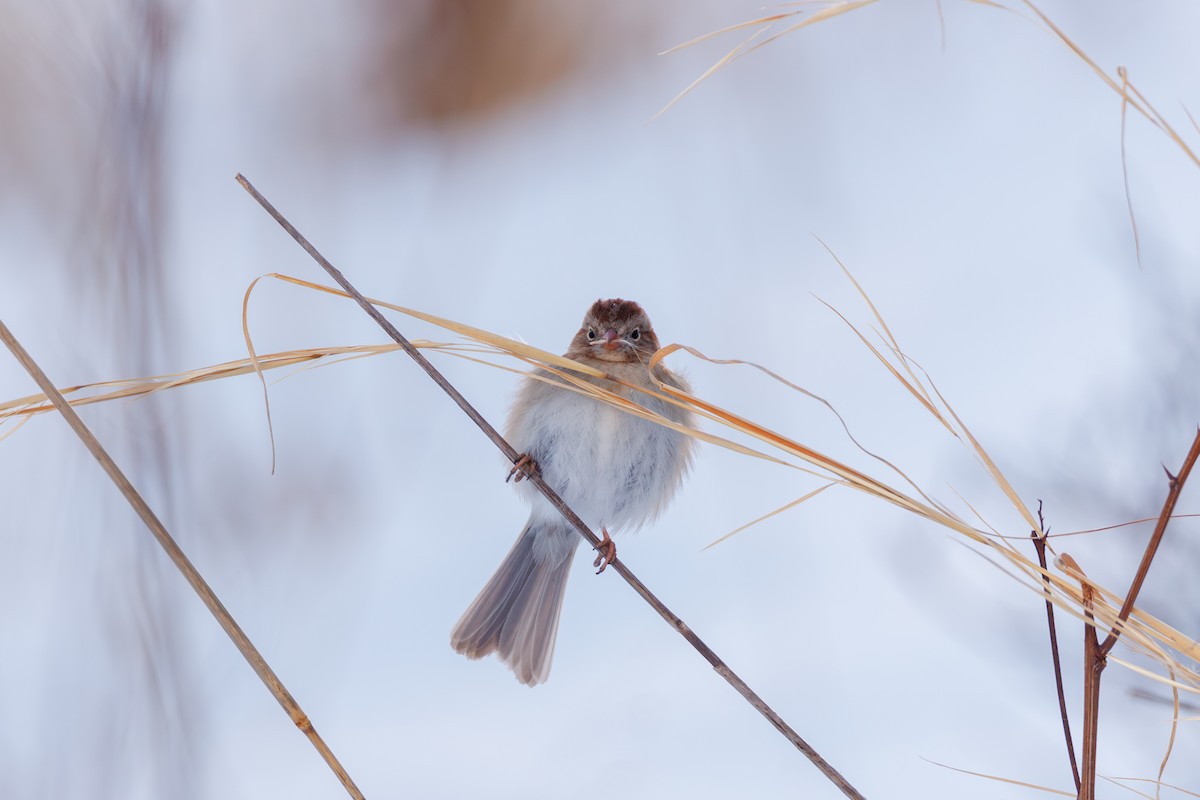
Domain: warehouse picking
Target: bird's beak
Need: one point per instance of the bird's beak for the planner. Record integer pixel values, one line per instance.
(611, 342)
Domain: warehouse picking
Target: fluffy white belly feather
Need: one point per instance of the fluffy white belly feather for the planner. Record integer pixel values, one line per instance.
(614, 469)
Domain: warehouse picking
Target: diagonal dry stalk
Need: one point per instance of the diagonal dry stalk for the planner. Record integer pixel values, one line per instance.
(674, 621)
(181, 561)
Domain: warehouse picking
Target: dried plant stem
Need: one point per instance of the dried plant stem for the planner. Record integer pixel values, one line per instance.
(1039, 544)
(675, 622)
(201, 587)
(1093, 664)
(1096, 653)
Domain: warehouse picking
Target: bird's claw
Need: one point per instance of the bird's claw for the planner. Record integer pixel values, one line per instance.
(523, 467)
(607, 550)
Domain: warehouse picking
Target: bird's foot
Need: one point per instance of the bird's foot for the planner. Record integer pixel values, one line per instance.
(608, 552)
(523, 467)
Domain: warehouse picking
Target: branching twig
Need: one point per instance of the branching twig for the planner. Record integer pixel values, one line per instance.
(201, 587)
(1176, 488)
(675, 622)
(1039, 543)
(1096, 654)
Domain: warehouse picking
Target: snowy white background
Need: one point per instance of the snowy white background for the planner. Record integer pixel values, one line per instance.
(973, 186)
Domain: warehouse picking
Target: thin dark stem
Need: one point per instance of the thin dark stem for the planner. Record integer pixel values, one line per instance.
(177, 556)
(1176, 488)
(1039, 543)
(512, 455)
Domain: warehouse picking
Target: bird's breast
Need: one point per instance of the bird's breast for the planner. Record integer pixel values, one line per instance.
(613, 468)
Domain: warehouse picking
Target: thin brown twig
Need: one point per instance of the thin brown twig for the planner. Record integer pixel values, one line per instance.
(513, 456)
(1094, 662)
(1039, 544)
(177, 556)
(1176, 483)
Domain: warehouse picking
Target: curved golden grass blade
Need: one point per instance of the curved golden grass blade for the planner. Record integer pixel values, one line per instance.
(746, 46)
(134, 388)
(673, 348)
(513, 346)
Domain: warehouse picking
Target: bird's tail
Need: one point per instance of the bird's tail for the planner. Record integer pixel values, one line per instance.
(516, 613)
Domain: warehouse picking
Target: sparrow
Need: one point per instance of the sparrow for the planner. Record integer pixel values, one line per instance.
(615, 470)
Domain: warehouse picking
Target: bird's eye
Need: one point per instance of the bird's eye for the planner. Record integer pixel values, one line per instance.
(635, 335)
(591, 333)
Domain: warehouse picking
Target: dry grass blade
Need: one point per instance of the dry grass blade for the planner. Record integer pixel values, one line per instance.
(257, 369)
(501, 343)
(1129, 94)
(925, 396)
(945, 414)
(87, 394)
(831, 10)
(181, 562)
(1192, 119)
(990, 465)
(1115, 526)
(1084, 57)
(1162, 767)
(732, 55)
(1137, 239)
(764, 517)
(999, 779)
(764, 22)
(845, 473)
(672, 348)
(912, 387)
(1129, 789)
(13, 429)
(826, 10)
(1159, 783)
(1145, 673)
